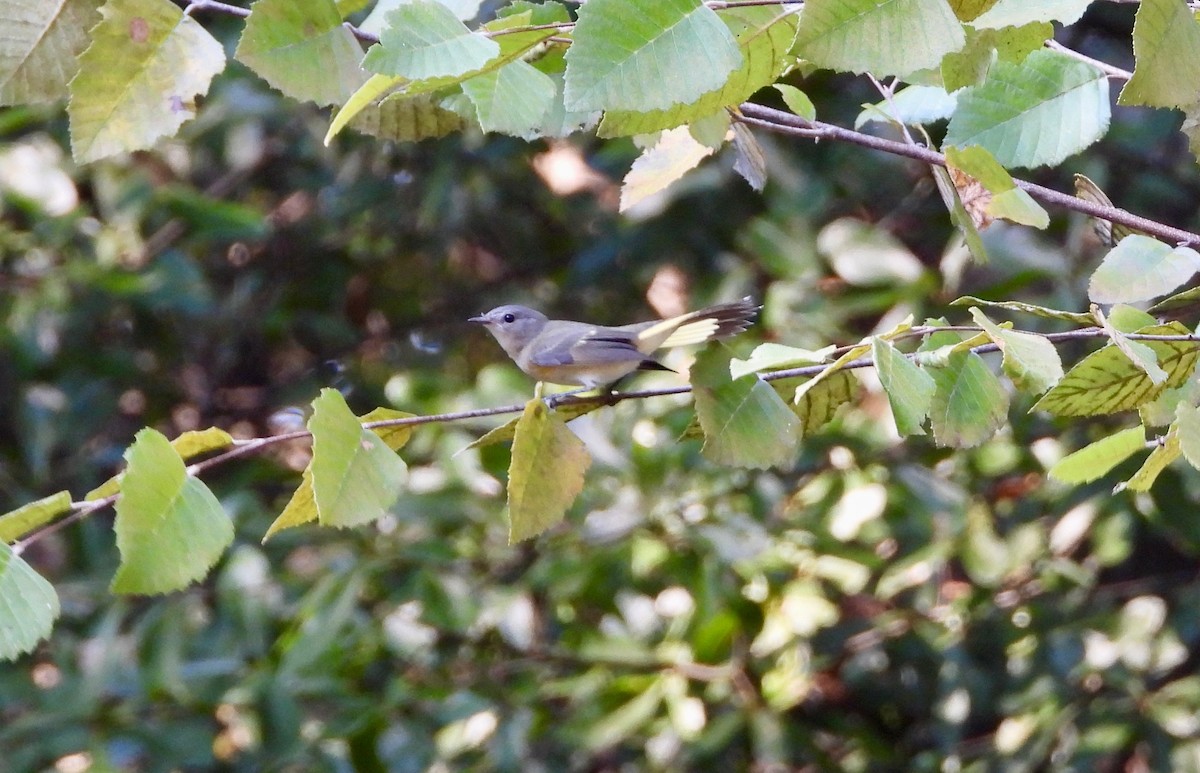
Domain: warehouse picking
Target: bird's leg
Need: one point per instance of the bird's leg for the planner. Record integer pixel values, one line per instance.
(552, 401)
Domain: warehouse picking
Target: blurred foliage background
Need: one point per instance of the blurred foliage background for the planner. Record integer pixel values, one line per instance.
(878, 606)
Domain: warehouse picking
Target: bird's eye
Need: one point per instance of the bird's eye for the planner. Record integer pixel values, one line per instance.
(510, 318)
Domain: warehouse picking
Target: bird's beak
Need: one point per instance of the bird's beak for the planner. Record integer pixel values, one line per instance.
(481, 320)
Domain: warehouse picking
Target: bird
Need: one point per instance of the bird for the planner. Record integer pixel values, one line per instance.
(595, 356)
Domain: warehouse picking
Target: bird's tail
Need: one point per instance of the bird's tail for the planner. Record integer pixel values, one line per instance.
(696, 327)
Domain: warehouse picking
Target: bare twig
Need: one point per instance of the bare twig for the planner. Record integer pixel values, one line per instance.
(1113, 72)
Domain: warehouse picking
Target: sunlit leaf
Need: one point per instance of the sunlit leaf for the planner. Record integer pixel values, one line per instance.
(507, 431)
(969, 403)
(137, 80)
(170, 528)
(820, 405)
(39, 46)
(1145, 358)
(909, 388)
(796, 100)
(745, 422)
(1141, 268)
(301, 48)
(395, 437)
(631, 55)
(884, 37)
(1095, 460)
(355, 475)
(1038, 112)
(546, 472)
(1006, 201)
(675, 154)
(1107, 382)
(1030, 360)
(26, 518)
(1166, 49)
(28, 605)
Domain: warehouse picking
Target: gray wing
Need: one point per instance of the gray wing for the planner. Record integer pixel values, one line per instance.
(575, 343)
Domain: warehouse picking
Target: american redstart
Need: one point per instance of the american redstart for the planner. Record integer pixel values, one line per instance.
(591, 356)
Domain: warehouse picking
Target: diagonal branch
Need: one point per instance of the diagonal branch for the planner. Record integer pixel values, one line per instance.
(793, 125)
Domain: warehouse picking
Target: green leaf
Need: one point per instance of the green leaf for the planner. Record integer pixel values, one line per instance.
(1038, 112)
(189, 444)
(26, 518)
(39, 46)
(1162, 410)
(1187, 426)
(300, 509)
(1095, 460)
(1074, 317)
(424, 39)
(1166, 49)
(1014, 13)
(632, 55)
(675, 154)
(1138, 353)
(301, 48)
(745, 422)
(909, 389)
(1140, 268)
(170, 528)
(546, 472)
(1155, 463)
(1126, 319)
(764, 35)
(1106, 381)
(511, 100)
(984, 48)
(884, 37)
(797, 101)
(1030, 360)
(1007, 201)
(969, 402)
(28, 605)
(355, 476)
(771, 356)
(137, 79)
(910, 105)
(405, 118)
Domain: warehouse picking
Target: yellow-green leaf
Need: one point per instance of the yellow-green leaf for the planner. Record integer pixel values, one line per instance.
(26, 518)
(546, 472)
(1187, 427)
(1155, 463)
(1075, 317)
(300, 509)
(1140, 268)
(507, 431)
(39, 46)
(170, 528)
(1106, 381)
(188, 445)
(1095, 460)
(139, 78)
(355, 475)
(1166, 50)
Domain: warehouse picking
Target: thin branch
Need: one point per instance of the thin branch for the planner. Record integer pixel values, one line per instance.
(787, 123)
(256, 445)
(1113, 72)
